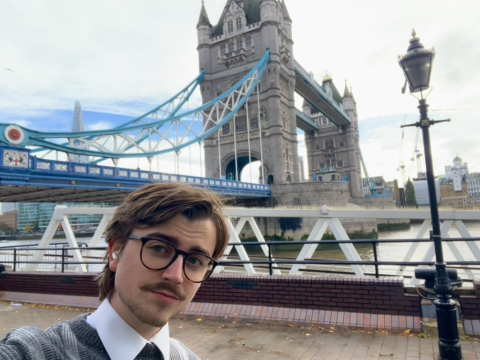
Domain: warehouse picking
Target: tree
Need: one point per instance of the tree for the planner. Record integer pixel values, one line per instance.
(410, 199)
(27, 229)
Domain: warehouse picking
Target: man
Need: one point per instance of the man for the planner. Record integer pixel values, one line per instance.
(162, 244)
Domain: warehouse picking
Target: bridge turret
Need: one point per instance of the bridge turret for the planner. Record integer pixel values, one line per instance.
(204, 30)
(347, 100)
(268, 11)
(306, 108)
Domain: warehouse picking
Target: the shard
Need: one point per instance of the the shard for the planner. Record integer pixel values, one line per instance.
(78, 125)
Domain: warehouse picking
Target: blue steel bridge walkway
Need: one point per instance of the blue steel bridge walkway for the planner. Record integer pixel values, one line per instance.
(57, 181)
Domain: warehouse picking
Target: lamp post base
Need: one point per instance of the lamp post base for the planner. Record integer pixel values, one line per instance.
(448, 342)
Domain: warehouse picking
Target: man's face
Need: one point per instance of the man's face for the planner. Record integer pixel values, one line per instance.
(147, 297)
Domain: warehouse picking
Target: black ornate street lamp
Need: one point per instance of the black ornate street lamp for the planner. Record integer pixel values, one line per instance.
(417, 67)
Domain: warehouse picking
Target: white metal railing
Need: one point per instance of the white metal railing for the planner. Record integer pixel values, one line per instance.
(326, 220)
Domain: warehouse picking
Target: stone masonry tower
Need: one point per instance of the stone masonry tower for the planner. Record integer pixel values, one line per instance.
(227, 51)
(334, 149)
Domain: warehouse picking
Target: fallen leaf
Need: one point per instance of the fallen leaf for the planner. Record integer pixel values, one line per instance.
(308, 334)
(290, 326)
(199, 319)
(407, 331)
(180, 327)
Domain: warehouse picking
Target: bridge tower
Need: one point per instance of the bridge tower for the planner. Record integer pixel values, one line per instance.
(227, 51)
(333, 148)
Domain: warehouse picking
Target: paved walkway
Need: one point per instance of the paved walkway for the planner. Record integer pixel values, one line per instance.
(217, 340)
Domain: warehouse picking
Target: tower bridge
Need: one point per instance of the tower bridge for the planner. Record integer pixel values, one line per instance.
(248, 77)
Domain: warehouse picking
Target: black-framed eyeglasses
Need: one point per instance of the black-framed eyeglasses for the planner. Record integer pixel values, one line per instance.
(157, 254)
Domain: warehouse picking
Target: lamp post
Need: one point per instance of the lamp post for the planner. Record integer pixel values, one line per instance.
(417, 67)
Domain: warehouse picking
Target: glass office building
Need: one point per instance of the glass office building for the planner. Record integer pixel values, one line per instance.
(38, 215)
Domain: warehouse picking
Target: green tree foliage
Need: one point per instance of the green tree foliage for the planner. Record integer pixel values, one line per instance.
(410, 199)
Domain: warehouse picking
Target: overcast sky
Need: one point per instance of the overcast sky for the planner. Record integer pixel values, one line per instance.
(123, 58)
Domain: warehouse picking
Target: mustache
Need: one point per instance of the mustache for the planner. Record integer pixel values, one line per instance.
(165, 286)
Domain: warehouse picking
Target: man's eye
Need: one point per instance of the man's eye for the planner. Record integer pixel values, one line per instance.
(158, 248)
(195, 261)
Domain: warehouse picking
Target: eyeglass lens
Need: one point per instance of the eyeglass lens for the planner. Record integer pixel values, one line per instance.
(157, 255)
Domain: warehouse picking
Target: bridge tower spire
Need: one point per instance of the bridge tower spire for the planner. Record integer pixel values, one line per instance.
(353, 144)
(245, 30)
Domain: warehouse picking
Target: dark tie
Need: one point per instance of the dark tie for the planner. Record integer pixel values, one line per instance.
(150, 351)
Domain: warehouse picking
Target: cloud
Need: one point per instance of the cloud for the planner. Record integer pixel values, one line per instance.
(102, 125)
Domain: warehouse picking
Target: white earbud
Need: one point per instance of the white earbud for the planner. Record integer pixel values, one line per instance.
(115, 255)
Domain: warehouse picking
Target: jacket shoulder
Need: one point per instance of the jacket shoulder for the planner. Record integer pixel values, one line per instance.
(178, 351)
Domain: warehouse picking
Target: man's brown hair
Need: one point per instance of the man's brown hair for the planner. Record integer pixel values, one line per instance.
(156, 204)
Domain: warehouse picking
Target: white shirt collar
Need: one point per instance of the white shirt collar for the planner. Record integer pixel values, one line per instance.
(121, 341)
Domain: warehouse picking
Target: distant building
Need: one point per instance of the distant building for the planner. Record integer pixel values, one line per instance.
(456, 172)
(301, 168)
(38, 215)
(451, 196)
(378, 183)
(458, 187)
(77, 125)
(9, 219)
(421, 190)
(473, 188)
(6, 207)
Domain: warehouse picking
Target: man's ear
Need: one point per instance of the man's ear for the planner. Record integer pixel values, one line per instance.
(112, 263)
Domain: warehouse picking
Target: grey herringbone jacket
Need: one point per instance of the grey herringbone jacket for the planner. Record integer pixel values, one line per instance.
(73, 340)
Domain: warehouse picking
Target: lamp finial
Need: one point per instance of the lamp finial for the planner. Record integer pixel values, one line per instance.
(414, 33)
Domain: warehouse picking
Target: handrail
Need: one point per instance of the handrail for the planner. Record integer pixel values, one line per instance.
(270, 262)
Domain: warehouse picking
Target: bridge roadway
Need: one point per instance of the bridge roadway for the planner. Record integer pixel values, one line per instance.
(40, 180)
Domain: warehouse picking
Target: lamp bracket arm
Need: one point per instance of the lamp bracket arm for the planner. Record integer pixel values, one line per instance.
(433, 122)
(417, 124)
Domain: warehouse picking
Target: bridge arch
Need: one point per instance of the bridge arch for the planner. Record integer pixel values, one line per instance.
(228, 164)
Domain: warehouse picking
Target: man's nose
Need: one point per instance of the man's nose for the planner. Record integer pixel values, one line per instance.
(174, 272)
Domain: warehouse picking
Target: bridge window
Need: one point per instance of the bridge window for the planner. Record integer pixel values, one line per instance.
(230, 27)
(223, 49)
(340, 163)
(239, 44)
(317, 146)
(321, 166)
(241, 123)
(239, 23)
(249, 42)
(329, 144)
(226, 129)
(342, 143)
(231, 47)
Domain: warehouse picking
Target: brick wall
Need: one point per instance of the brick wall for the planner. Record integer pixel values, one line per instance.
(49, 283)
(374, 296)
(470, 305)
